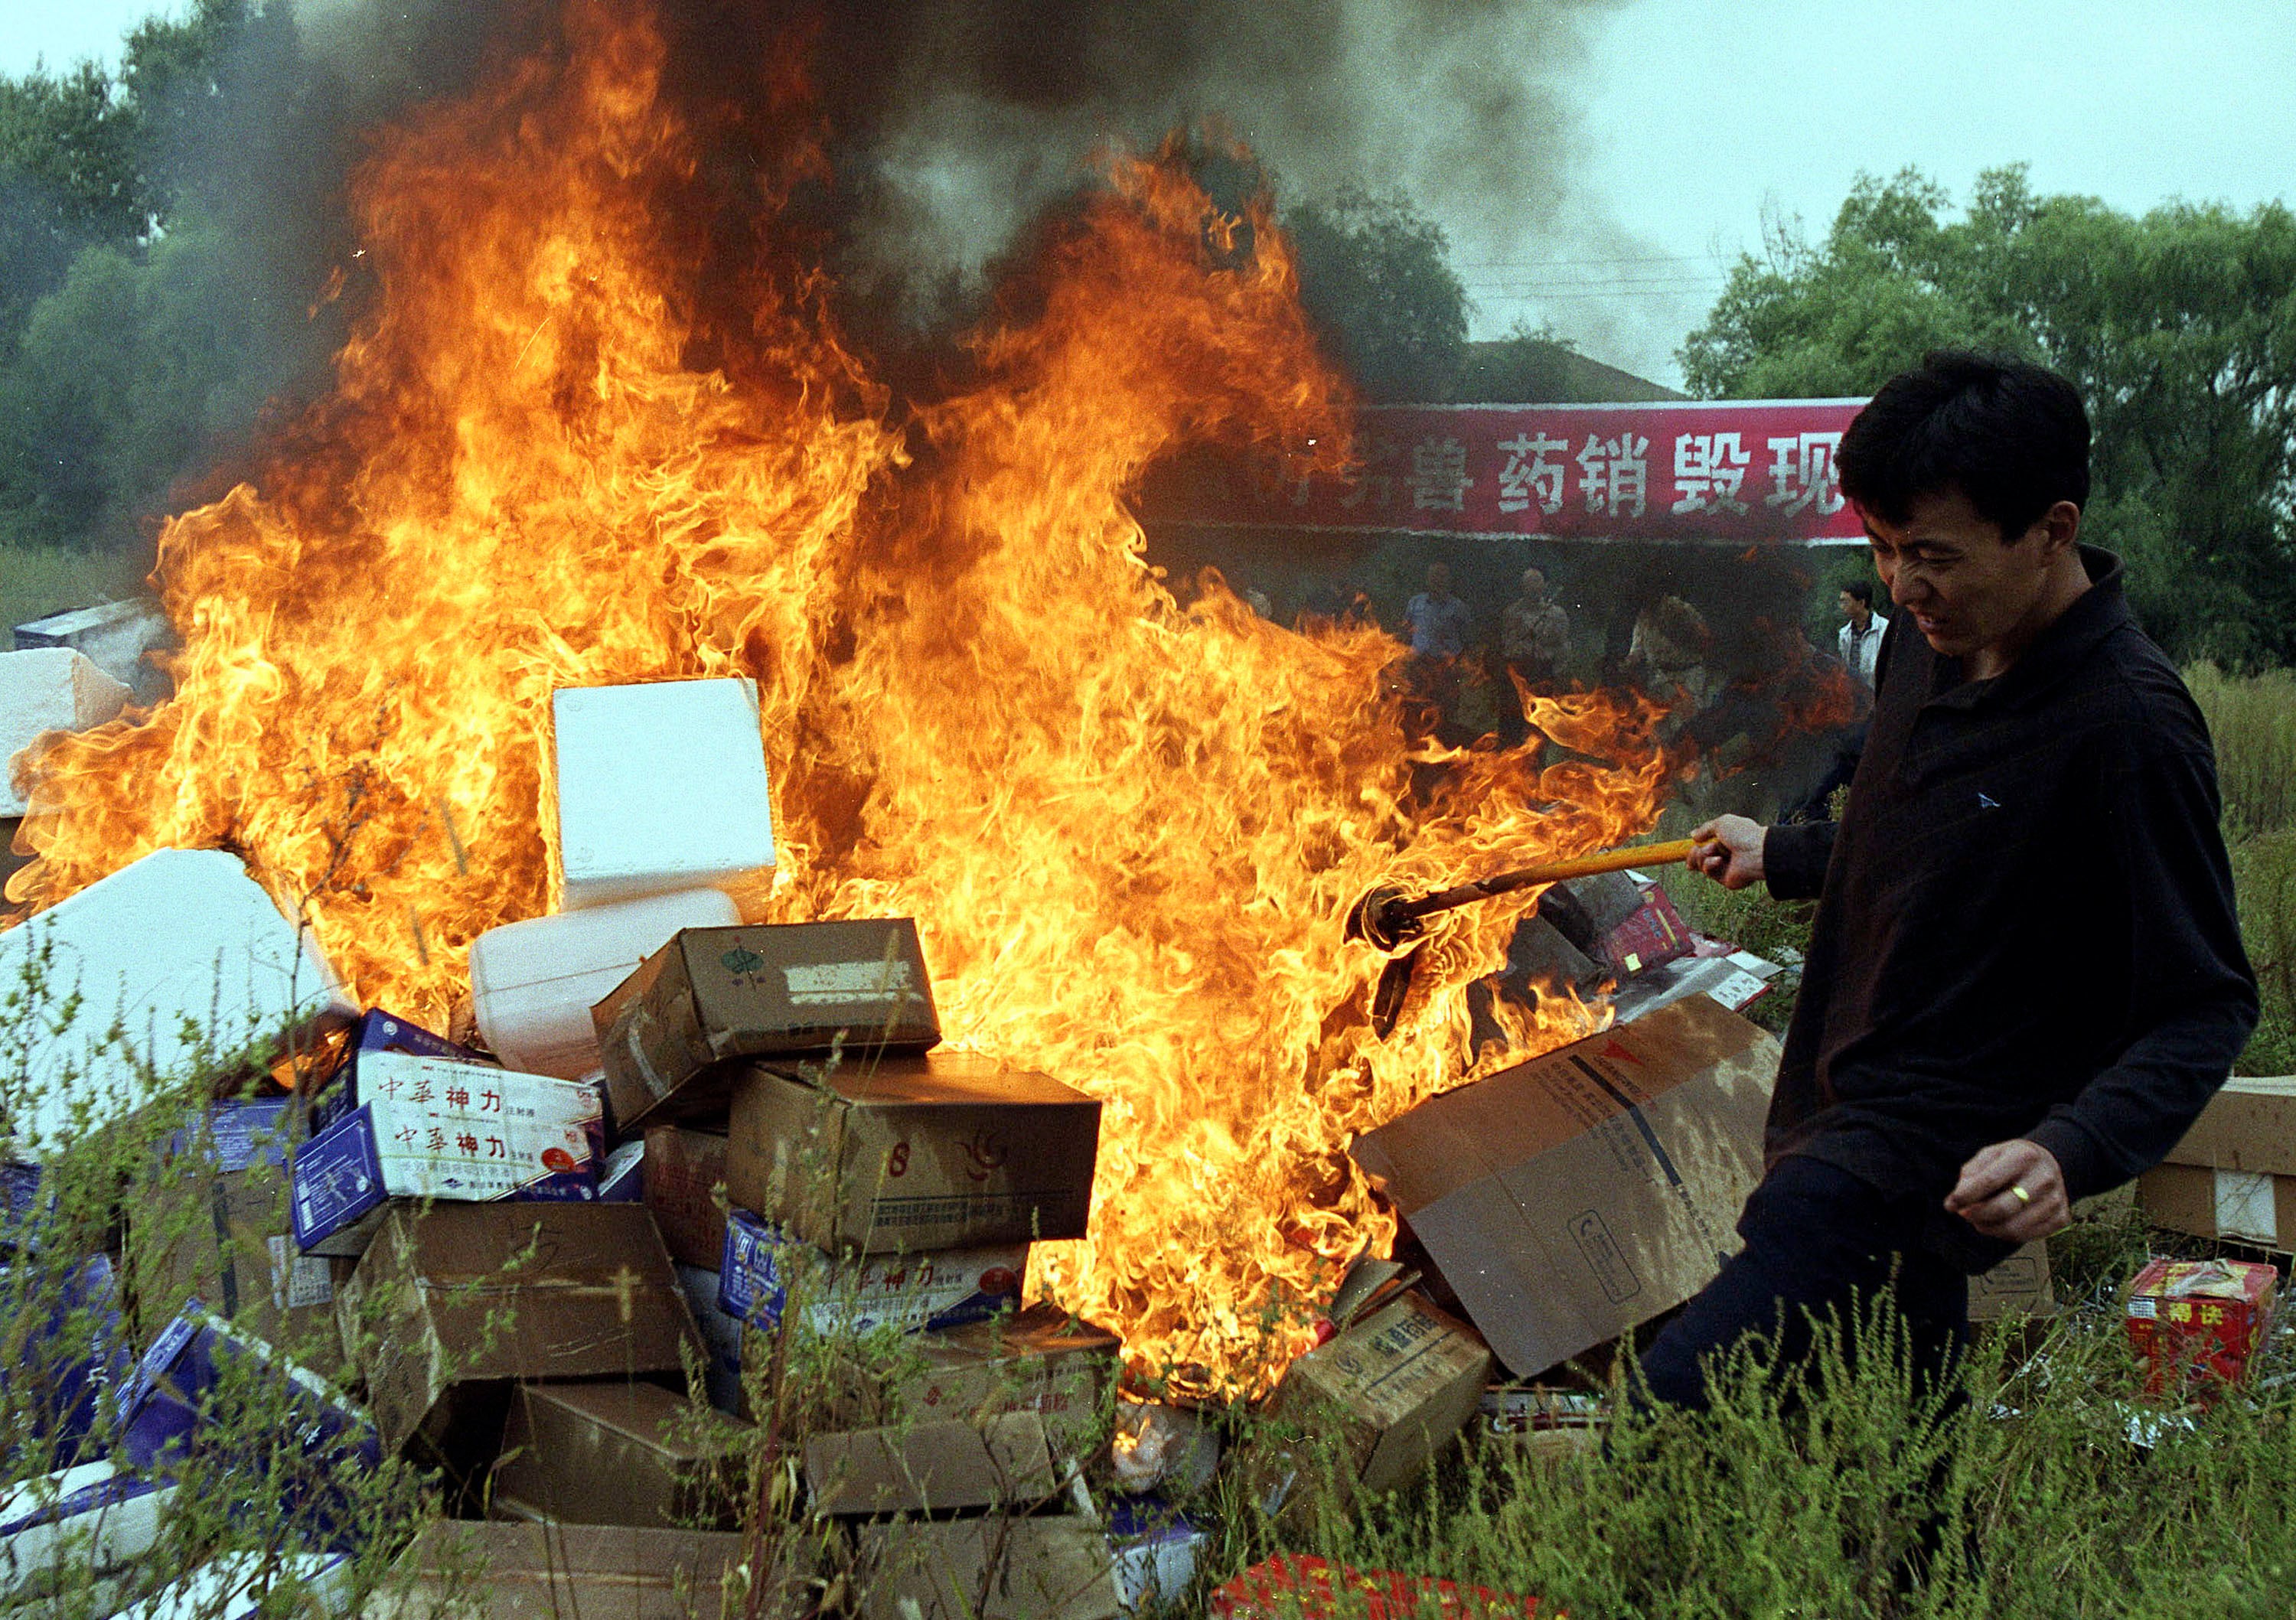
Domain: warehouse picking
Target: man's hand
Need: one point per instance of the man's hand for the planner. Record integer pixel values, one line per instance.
(1729, 851)
(1987, 1197)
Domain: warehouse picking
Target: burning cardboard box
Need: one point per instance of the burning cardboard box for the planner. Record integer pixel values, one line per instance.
(1378, 1401)
(2233, 1174)
(2196, 1325)
(184, 954)
(667, 1034)
(533, 982)
(951, 1149)
(619, 1452)
(625, 828)
(1056, 1568)
(474, 1297)
(215, 1221)
(1574, 1197)
(923, 1292)
(434, 1130)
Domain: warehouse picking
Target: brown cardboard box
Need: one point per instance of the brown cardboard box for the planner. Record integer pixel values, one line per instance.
(916, 1468)
(776, 989)
(2233, 1174)
(1038, 1359)
(2017, 1287)
(213, 1222)
(683, 1169)
(550, 1572)
(1574, 1197)
(949, 1151)
(1389, 1394)
(468, 1294)
(618, 1453)
(1047, 1569)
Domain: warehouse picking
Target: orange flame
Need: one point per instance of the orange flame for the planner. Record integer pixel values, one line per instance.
(1129, 830)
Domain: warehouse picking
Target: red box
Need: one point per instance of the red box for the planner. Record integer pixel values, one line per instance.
(2195, 1325)
(1653, 934)
(1289, 1584)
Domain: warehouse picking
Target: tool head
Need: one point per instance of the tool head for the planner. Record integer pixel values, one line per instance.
(1377, 919)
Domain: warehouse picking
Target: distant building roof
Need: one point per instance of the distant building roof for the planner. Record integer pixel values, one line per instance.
(1535, 370)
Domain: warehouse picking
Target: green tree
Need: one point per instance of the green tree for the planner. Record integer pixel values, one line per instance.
(1375, 277)
(2179, 327)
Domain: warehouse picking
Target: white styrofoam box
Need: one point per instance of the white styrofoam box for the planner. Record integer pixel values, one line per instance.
(115, 635)
(182, 962)
(48, 689)
(234, 1587)
(660, 788)
(89, 1520)
(535, 982)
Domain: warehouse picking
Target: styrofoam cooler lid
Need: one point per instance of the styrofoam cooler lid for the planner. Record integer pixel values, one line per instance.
(661, 787)
(48, 689)
(183, 951)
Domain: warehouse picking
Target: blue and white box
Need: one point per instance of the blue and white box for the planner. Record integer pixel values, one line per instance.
(74, 1354)
(66, 1528)
(336, 1091)
(917, 1292)
(426, 1128)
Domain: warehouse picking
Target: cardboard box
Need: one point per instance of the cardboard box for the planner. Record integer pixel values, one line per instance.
(1572, 1198)
(572, 1291)
(332, 1078)
(2233, 1174)
(2018, 1286)
(685, 1167)
(63, 1350)
(2196, 1324)
(67, 1527)
(553, 1572)
(666, 1033)
(925, 1292)
(620, 1453)
(918, 1467)
(721, 1337)
(949, 1151)
(1290, 1587)
(443, 1131)
(48, 689)
(184, 953)
(214, 1222)
(661, 787)
(204, 1388)
(995, 1568)
(1385, 1394)
(1040, 1360)
(533, 982)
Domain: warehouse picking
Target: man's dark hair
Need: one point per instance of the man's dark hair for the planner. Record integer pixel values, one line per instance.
(1859, 590)
(2011, 437)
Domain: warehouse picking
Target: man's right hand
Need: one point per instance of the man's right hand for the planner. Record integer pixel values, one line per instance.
(1729, 851)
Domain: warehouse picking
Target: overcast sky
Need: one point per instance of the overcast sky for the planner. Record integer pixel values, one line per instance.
(1700, 113)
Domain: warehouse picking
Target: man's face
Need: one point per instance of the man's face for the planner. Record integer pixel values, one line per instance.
(1854, 610)
(1948, 567)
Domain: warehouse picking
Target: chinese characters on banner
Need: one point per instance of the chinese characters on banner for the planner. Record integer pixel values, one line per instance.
(1743, 471)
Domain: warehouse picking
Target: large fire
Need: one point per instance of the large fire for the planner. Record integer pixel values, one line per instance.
(1129, 830)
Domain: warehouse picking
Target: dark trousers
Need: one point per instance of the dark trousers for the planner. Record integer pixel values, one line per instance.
(1817, 1239)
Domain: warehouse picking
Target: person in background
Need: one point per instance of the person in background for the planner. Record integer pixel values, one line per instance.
(1437, 619)
(2025, 979)
(1861, 632)
(1535, 633)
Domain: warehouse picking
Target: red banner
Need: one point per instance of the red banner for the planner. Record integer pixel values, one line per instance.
(1749, 471)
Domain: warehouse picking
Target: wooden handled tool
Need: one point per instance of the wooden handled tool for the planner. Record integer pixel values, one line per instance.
(1389, 917)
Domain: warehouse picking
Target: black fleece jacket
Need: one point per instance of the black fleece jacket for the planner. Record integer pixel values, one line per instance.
(2025, 924)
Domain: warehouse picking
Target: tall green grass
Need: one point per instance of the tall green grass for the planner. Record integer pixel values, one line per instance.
(2253, 720)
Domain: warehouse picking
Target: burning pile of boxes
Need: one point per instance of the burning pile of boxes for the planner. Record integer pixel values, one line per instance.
(675, 1146)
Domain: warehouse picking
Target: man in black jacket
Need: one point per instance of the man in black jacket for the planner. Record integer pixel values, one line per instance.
(2025, 977)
